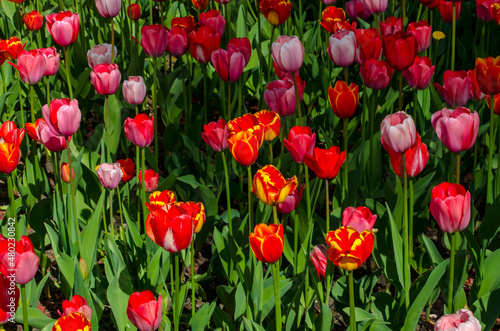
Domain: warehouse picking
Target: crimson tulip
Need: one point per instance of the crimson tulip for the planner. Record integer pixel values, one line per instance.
(229, 65)
(11, 134)
(488, 74)
(200, 5)
(197, 212)
(186, 23)
(74, 321)
(400, 50)
(241, 45)
(445, 8)
(267, 242)
(134, 12)
(376, 74)
(247, 122)
(161, 200)
(18, 258)
(276, 12)
(62, 116)
(475, 92)
(172, 229)
(355, 9)
(496, 105)
(415, 158)
(398, 131)
(325, 163)
(333, 19)
(431, 4)
(301, 141)
(63, 27)
(391, 25)
(33, 20)
(177, 41)
(347, 248)
(215, 135)
(450, 206)
(144, 311)
(343, 99)
(456, 88)
(369, 45)
(419, 75)
(244, 147)
(153, 40)
(128, 169)
(457, 128)
(214, 20)
(422, 32)
(202, 43)
(139, 130)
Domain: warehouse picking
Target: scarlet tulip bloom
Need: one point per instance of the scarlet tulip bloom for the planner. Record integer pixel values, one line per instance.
(319, 259)
(419, 75)
(202, 43)
(11, 134)
(33, 20)
(52, 141)
(134, 90)
(200, 5)
(214, 20)
(63, 27)
(161, 200)
(355, 9)
(276, 12)
(496, 105)
(463, 320)
(19, 260)
(215, 135)
(186, 23)
(333, 19)
(422, 32)
(271, 187)
(108, 8)
(52, 60)
(10, 155)
(369, 45)
(291, 201)
(177, 41)
(100, 54)
(172, 229)
(288, 53)
(495, 12)
(376, 74)
(488, 75)
(150, 180)
(197, 212)
(457, 128)
(31, 66)
(9, 300)
(74, 321)
(347, 248)
(450, 207)
(106, 78)
(475, 92)
(229, 65)
(144, 311)
(445, 8)
(134, 12)
(359, 218)
(398, 131)
(11, 47)
(31, 129)
(241, 45)
(140, 130)
(65, 172)
(456, 88)
(77, 304)
(391, 25)
(400, 50)
(301, 141)
(267, 242)
(325, 163)
(62, 116)
(415, 158)
(280, 97)
(270, 123)
(343, 99)
(128, 169)
(375, 6)
(431, 4)
(342, 48)
(244, 147)
(247, 122)
(109, 174)
(153, 40)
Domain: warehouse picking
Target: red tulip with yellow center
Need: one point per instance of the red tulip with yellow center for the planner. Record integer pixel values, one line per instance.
(10, 155)
(244, 147)
(276, 12)
(247, 122)
(270, 122)
(267, 242)
(344, 99)
(333, 19)
(197, 212)
(347, 248)
(271, 187)
(11, 47)
(184, 22)
(160, 200)
(72, 322)
(488, 75)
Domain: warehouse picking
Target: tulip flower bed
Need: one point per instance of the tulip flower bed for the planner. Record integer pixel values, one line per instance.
(250, 165)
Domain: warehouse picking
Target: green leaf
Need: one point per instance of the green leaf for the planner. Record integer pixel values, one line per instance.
(491, 281)
(361, 315)
(223, 320)
(202, 317)
(90, 234)
(115, 124)
(487, 309)
(324, 319)
(36, 318)
(397, 244)
(432, 250)
(490, 225)
(241, 23)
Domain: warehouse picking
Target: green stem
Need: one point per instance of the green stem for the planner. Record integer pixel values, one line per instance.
(151, 11)
(452, 272)
(229, 27)
(400, 91)
(193, 296)
(21, 105)
(346, 164)
(205, 93)
(112, 40)
(352, 307)
(13, 209)
(108, 133)
(297, 99)
(48, 89)
(155, 112)
(75, 214)
(259, 53)
(111, 214)
(271, 152)
(269, 59)
(25, 307)
(491, 150)
(406, 263)
(250, 193)
(143, 184)
(228, 101)
(308, 194)
(275, 215)
(295, 242)
(122, 233)
(138, 162)
(371, 114)
(403, 4)
(184, 92)
(228, 194)
(327, 201)
(240, 97)
(410, 223)
(66, 60)
(177, 294)
(32, 94)
(453, 35)
(415, 107)
(277, 294)
(458, 167)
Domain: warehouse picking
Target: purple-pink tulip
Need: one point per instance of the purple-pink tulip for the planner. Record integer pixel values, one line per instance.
(301, 141)
(342, 48)
(457, 128)
(108, 8)
(288, 53)
(280, 97)
(53, 142)
(398, 131)
(139, 130)
(228, 64)
(134, 90)
(419, 75)
(153, 40)
(355, 9)
(450, 206)
(106, 78)
(241, 45)
(456, 88)
(391, 25)
(52, 60)
(63, 116)
(291, 201)
(31, 66)
(100, 54)
(319, 258)
(375, 6)
(483, 9)
(109, 174)
(177, 41)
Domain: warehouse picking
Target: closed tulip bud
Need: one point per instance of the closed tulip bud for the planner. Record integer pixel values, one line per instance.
(171, 229)
(200, 5)
(106, 78)
(244, 147)
(11, 134)
(347, 248)
(475, 92)
(63, 116)
(375, 6)
(134, 90)
(84, 269)
(416, 158)
(144, 311)
(391, 25)
(288, 53)
(100, 54)
(342, 48)
(446, 10)
(333, 19)
(319, 259)
(369, 45)
(150, 180)
(488, 75)
(276, 12)
(63, 27)
(270, 123)
(463, 320)
(52, 60)
(214, 20)
(108, 8)
(457, 128)
(376, 74)
(109, 175)
(33, 20)
(450, 206)
(343, 99)
(9, 299)
(197, 212)
(10, 155)
(456, 88)
(65, 172)
(228, 65)
(301, 141)
(359, 218)
(77, 304)
(18, 259)
(419, 75)
(74, 321)
(398, 131)
(291, 201)
(271, 187)
(177, 41)
(153, 40)
(355, 9)
(53, 142)
(31, 66)
(202, 43)
(422, 32)
(140, 130)
(400, 50)
(241, 45)
(215, 135)
(134, 12)
(325, 163)
(267, 242)
(128, 169)
(280, 97)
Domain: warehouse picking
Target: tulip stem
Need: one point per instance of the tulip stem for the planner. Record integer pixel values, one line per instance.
(308, 195)
(371, 115)
(48, 89)
(193, 294)
(177, 296)
(275, 215)
(61, 224)
(228, 194)
(277, 294)
(327, 201)
(406, 263)
(122, 233)
(296, 90)
(205, 93)
(228, 101)
(250, 212)
(108, 133)
(346, 164)
(23, 122)
(32, 93)
(143, 185)
(269, 60)
(271, 152)
(75, 213)
(491, 150)
(352, 307)
(410, 217)
(240, 97)
(184, 94)
(453, 34)
(458, 167)
(138, 162)
(151, 10)
(453, 244)
(25, 307)
(400, 91)
(66, 61)
(403, 5)
(13, 209)
(259, 53)
(111, 215)
(155, 110)
(112, 40)
(295, 241)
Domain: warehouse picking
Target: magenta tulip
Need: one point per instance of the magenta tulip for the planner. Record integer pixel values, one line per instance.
(419, 75)
(215, 135)
(241, 45)
(109, 174)
(144, 311)
(53, 142)
(391, 25)
(483, 9)
(422, 32)
(376, 74)
(100, 54)
(18, 258)
(177, 41)
(52, 60)
(456, 88)
(108, 8)
(134, 90)
(342, 48)
(375, 6)
(355, 9)
(153, 40)
(62, 116)
(450, 206)
(63, 27)
(398, 131)
(291, 201)
(301, 141)
(280, 97)
(319, 258)
(106, 78)
(288, 53)
(139, 130)
(31, 66)
(457, 128)
(229, 65)
(360, 218)
(214, 20)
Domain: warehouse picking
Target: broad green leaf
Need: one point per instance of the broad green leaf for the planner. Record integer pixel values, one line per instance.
(202, 317)
(36, 318)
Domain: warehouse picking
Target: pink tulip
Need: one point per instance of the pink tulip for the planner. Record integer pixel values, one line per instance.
(318, 255)
(214, 20)
(229, 65)
(31, 66)
(391, 25)
(457, 128)
(301, 85)
(109, 174)
(153, 40)
(134, 90)
(144, 311)
(475, 92)
(450, 206)
(77, 304)
(398, 131)
(342, 48)
(280, 97)
(291, 201)
(355, 9)
(215, 135)
(376, 74)
(375, 6)
(100, 54)
(18, 258)
(360, 218)
(62, 116)
(422, 32)
(108, 8)
(63, 27)
(463, 320)
(150, 180)
(106, 78)
(177, 41)
(52, 60)
(288, 53)
(241, 45)
(328, 2)
(416, 158)
(53, 142)
(456, 88)
(419, 75)
(9, 299)
(301, 141)
(140, 130)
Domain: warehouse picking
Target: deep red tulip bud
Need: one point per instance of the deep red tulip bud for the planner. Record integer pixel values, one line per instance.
(186, 23)
(33, 20)
(343, 99)
(356, 9)
(215, 135)
(319, 258)
(419, 75)
(431, 4)
(229, 65)
(391, 25)
(63, 27)
(400, 50)
(445, 8)
(422, 32)
(325, 163)
(214, 20)
(450, 206)
(457, 128)
(128, 169)
(134, 12)
(153, 40)
(276, 12)
(139, 130)
(369, 45)
(376, 74)
(202, 43)
(416, 158)
(150, 180)
(456, 88)
(301, 141)
(267, 242)
(144, 311)
(241, 45)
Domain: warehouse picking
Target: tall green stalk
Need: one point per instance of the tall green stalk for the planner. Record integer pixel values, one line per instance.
(327, 202)
(250, 193)
(13, 209)
(108, 133)
(228, 194)
(297, 99)
(177, 297)
(352, 307)
(32, 93)
(491, 150)
(112, 40)
(47, 83)
(143, 185)
(193, 294)
(155, 112)
(259, 52)
(68, 75)
(25, 308)
(451, 278)
(122, 232)
(308, 194)
(400, 91)
(269, 60)
(111, 214)
(406, 262)
(75, 213)
(277, 294)
(228, 101)
(453, 35)
(410, 216)
(346, 163)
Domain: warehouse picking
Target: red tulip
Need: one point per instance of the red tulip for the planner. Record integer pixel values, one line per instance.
(342, 48)
(77, 304)
(291, 201)
(134, 12)
(347, 248)
(33, 20)
(18, 258)
(52, 60)
(62, 116)
(128, 169)
(376, 74)
(161, 200)
(445, 8)
(450, 206)
(391, 25)
(241, 45)
(186, 23)
(475, 92)
(488, 75)
(495, 12)
(244, 147)
(153, 40)
(177, 41)
(431, 4)
(150, 180)
(270, 123)
(267, 242)
(228, 65)
(172, 229)
(456, 88)
(276, 12)
(74, 321)
(139, 130)
(280, 97)
(369, 45)
(333, 19)
(422, 32)
(343, 99)
(63, 27)
(144, 311)
(10, 155)
(400, 50)
(197, 212)
(214, 20)
(215, 135)
(457, 128)
(271, 187)
(202, 43)
(301, 141)
(200, 5)
(415, 158)
(31, 129)
(319, 259)
(325, 163)
(65, 172)
(247, 122)
(31, 66)
(419, 75)
(398, 131)
(288, 53)
(106, 78)
(11, 134)
(9, 299)
(10, 48)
